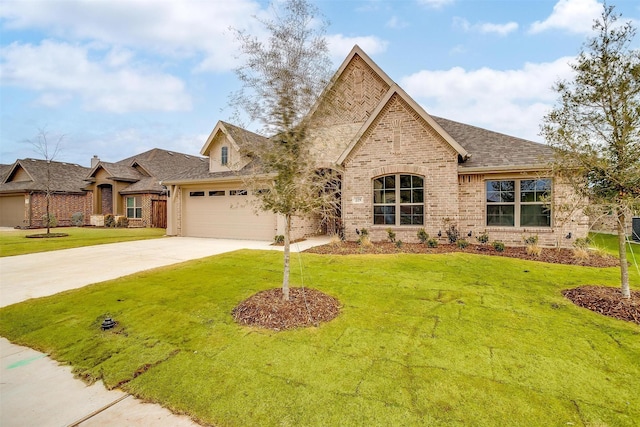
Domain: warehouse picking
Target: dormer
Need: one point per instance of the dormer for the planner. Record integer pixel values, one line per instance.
(18, 174)
(225, 145)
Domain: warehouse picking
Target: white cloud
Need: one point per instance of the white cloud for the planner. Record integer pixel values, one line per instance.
(396, 23)
(179, 28)
(340, 45)
(435, 4)
(485, 27)
(501, 29)
(104, 81)
(509, 101)
(575, 16)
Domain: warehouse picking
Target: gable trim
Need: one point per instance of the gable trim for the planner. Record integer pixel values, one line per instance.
(355, 51)
(13, 169)
(397, 90)
(220, 127)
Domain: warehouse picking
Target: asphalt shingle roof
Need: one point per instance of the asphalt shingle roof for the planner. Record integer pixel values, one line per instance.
(64, 177)
(162, 164)
(488, 149)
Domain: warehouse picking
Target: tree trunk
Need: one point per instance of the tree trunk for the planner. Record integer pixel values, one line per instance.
(48, 197)
(622, 252)
(287, 256)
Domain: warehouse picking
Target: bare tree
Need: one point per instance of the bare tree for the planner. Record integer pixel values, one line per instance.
(595, 129)
(282, 79)
(49, 151)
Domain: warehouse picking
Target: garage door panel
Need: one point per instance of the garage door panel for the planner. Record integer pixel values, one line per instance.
(229, 217)
(11, 211)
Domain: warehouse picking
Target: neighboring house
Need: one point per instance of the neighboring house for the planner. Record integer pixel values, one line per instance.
(132, 187)
(129, 188)
(401, 169)
(23, 187)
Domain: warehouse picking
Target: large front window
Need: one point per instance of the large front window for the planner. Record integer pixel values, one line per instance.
(519, 203)
(134, 207)
(398, 200)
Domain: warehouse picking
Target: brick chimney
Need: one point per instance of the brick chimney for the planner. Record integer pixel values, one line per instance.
(94, 161)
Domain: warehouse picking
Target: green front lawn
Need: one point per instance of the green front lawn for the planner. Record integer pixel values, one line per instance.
(609, 244)
(14, 242)
(452, 339)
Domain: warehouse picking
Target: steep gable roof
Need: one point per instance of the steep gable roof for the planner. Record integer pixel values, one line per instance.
(63, 177)
(117, 172)
(238, 137)
(396, 90)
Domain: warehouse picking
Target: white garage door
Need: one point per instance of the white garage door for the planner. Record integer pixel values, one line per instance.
(11, 211)
(224, 213)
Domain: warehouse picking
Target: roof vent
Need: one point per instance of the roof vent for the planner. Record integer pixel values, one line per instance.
(170, 153)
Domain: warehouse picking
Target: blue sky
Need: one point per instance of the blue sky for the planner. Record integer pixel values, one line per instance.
(119, 77)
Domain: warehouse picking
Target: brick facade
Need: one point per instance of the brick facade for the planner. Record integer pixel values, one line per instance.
(63, 206)
(146, 199)
(565, 220)
(414, 149)
(374, 129)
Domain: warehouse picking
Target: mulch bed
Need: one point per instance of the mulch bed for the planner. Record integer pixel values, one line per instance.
(45, 235)
(552, 255)
(306, 307)
(606, 301)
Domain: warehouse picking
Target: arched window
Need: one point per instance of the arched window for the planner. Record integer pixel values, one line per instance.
(398, 200)
(224, 156)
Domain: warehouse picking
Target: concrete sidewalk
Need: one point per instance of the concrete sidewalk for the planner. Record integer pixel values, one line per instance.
(36, 390)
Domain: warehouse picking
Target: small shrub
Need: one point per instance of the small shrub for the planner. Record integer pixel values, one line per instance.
(453, 234)
(365, 241)
(498, 246)
(432, 243)
(398, 244)
(77, 219)
(278, 239)
(49, 221)
(122, 222)
(534, 249)
(391, 235)
(532, 246)
(462, 243)
(483, 238)
(335, 240)
(109, 220)
(582, 243)
(423, 236)
(581, 254)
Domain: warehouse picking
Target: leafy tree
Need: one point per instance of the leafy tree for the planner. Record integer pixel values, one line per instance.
(595, 129)
(282, 80)
(49, 151)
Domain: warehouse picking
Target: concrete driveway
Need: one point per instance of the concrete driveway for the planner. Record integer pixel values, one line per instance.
(34, 389)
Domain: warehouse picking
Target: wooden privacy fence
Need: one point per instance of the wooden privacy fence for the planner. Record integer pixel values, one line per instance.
(159, 213)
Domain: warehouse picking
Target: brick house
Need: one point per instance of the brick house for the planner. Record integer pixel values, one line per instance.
(401, 169)
(129, 188)
(132, 187)
(23, 192)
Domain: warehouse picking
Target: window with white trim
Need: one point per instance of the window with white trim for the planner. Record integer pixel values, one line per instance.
(134, 207)
(224, 156)
(398, 200)
(518, 203)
